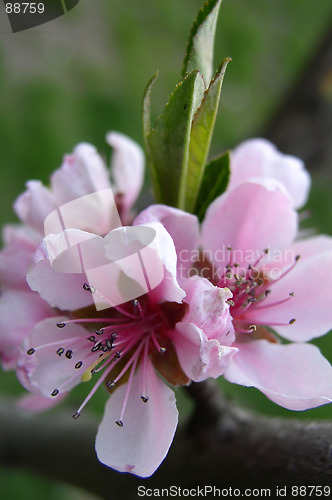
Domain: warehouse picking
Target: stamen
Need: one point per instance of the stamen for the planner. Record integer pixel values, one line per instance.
(129, 383)
(61, 325)
(57, 342)
(55, 392)
(145, 399)
(60, 351)
(76, 415)
(95, 387)
(145, 358)
(119, 423)
(156, 343)
(277, 303)
(136, 303)
(292, 321)
(31, 351)
(260, 258)
(69, 354)
(78, 365)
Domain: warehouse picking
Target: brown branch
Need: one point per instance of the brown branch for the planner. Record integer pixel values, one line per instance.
(302, 126)
(221, 446)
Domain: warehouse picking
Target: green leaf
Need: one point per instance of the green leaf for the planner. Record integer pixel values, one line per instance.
(214, 183)
(168, 141)
(201, 135)
(199, 53)
(146, 118)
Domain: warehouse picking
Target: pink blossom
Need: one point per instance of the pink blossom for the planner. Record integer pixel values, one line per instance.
(81, 173)
(257, 160)
(182, 333)
(280, 289)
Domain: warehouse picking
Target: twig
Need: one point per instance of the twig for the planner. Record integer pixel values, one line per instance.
(302, 125)
(235, 448)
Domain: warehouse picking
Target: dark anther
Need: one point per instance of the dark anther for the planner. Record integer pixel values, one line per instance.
(31, 351)
(92, 338)
(60, 351)
(297, 258)
(86, 287)
(55, 392)
(291, 321)
(61, 325)
(99, 332)
(117, 355)
(162, 350)
(134, 302)
(119, 423)
(110, 384)
(76, 415)
(96, 347)
(78, 365)
(69, 354)
(145, 399)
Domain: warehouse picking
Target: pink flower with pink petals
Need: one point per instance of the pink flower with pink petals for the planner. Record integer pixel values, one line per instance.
(81, 173)
(280, 288)
(257, 160)
(180, 332)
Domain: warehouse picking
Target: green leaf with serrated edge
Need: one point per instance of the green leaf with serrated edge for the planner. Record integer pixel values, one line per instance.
(168, 141)
(201, 135)
(214, 183)
(146, 120)
(199, 53)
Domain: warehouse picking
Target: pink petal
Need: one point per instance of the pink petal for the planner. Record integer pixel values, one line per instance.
(15, 258)
(295, 376)
(310, 281)
(148, 428)
(259, 158)
(174, 220)
(20, 311)
(83, 172)
(45, 370)
(34, 205)
(34, 402)
(127, 167)
(249, 218)
(208, 309)
(199, 356)
(62, 290)
(169, 289)
(312, 246)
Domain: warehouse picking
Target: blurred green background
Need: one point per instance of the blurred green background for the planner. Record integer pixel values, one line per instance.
(83, 74)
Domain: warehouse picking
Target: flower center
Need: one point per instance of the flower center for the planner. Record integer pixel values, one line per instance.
(115, 344)
(251, 285)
